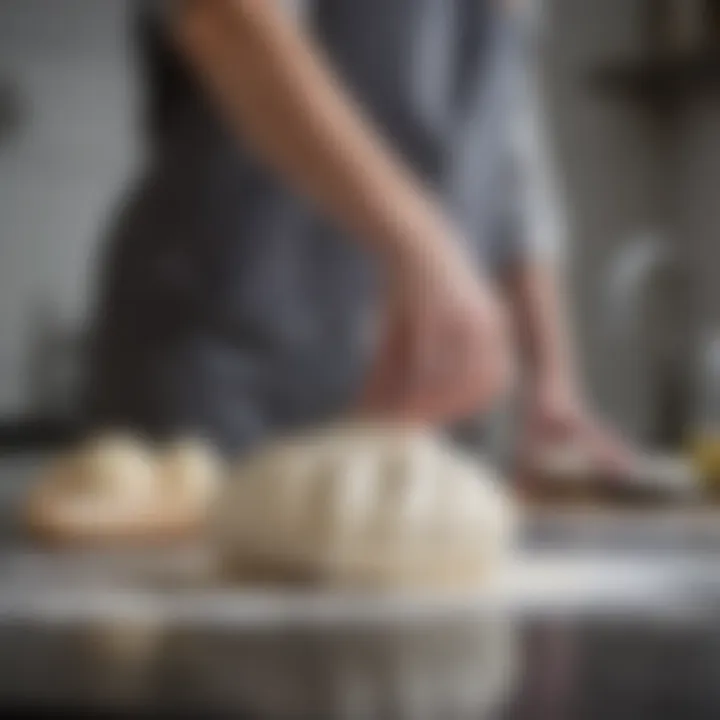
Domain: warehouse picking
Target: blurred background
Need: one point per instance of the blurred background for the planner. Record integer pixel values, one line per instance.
(631, 99)
(629, 91)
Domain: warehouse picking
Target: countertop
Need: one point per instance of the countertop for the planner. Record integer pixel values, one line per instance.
(604, 615)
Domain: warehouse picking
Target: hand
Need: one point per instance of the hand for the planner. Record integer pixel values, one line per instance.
(444, 352)
(556, 413)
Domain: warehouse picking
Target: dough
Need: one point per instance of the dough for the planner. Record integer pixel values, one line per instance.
(108, 466)
(108, 488)
(364, 505)
(191, 470)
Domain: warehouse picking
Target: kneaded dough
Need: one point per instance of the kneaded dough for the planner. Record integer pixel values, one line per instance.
(110, 487)
(364, 505)
(108, 466)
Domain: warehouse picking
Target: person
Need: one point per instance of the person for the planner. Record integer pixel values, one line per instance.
(335, 217)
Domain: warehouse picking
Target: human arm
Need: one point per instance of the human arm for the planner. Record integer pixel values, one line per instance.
(443, 352)
(556, 405)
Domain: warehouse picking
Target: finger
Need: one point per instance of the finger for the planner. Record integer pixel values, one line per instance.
(456, 380)
(459, 380)
(480, 374)
(382, 386)
(610, 451)
(430, 365)
(372, 394)
(417, 377)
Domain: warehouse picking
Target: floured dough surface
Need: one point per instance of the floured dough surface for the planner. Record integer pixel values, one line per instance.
(364, 505)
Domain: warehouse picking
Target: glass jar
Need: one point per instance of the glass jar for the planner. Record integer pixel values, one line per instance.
(706, 433)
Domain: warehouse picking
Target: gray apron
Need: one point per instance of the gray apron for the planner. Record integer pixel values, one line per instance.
(227, 306)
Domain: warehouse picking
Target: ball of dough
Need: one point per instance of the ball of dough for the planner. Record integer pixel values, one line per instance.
(109, 466)
(191, 470)
(105, 489)
(364, 505)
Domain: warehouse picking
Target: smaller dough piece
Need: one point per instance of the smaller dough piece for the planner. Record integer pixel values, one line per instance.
(109, 488)
(111, 466)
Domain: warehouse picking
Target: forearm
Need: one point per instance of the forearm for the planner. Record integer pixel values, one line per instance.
(280, 96)
(534, 278)
(535, 297)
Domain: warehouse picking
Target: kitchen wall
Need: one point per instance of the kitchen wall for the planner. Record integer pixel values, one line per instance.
(604, 151)
(695, 177)
(630, 173)
(69, 150)
(627, 177)
(66, 149)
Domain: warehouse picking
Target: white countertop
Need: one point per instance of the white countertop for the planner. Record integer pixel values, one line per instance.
(585, 562)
